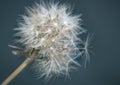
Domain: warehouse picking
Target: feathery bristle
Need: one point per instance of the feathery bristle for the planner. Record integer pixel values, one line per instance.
(53, 30)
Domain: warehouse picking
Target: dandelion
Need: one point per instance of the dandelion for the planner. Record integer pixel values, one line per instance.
(51, 37)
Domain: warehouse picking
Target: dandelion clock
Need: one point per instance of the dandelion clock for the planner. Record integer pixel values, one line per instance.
(52, 39)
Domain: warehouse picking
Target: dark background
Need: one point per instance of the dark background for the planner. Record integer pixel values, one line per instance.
(101, 17)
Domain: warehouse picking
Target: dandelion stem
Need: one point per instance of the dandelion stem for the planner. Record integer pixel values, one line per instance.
(17, 71)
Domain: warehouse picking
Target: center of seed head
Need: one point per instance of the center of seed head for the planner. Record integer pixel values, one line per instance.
(55, 24)
(51, 48)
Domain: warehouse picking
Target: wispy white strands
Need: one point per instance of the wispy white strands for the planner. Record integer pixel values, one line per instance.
(53, 31)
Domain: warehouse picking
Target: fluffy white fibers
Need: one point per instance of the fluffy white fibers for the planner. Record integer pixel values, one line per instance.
(55, 32)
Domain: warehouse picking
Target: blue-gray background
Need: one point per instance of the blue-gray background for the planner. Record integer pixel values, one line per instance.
(101, 17)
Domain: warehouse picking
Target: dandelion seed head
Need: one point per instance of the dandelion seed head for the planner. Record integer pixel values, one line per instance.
(53, 30)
